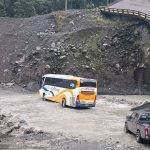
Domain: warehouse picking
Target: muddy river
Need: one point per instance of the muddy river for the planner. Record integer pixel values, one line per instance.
(105, 121)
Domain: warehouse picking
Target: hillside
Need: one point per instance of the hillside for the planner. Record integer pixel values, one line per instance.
(81, 43)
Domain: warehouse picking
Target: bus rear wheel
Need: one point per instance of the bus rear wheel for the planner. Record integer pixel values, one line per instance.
(63, 103)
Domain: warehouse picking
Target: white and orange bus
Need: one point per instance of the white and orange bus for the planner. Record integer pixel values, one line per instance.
(69, 90)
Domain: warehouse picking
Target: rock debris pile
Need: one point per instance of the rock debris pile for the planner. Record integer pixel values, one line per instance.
(81, 43)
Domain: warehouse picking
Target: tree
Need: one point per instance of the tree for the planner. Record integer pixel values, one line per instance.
(2, 10)
(42, 7)
(58, 4)
(28, 8)
(24, 8)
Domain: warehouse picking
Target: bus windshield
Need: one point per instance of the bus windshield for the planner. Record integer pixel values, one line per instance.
(88, 84)
(63, 83)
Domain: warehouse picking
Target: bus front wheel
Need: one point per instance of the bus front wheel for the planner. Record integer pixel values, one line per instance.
(63, 103)
(44, 99)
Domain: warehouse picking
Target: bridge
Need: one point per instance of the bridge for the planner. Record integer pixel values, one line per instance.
(136, 8)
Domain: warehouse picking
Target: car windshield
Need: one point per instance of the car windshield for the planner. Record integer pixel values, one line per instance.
(145, 118)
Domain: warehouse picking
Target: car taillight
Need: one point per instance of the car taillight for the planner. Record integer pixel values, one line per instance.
(78, 98)
(146, 131)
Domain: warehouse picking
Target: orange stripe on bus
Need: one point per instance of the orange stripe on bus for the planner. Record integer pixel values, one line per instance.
(60, 95)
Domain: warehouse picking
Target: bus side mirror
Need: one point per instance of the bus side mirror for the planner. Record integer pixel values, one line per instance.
(39, 83)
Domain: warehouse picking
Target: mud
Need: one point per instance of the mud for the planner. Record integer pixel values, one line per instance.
(54, 127)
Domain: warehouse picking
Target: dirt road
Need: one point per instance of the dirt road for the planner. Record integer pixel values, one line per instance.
(139, 5)
(105, 122)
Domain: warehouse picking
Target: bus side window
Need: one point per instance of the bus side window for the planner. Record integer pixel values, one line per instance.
(57, 82)
(68, 84)
(47, 81)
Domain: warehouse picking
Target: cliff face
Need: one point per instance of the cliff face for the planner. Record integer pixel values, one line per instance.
(81, 43)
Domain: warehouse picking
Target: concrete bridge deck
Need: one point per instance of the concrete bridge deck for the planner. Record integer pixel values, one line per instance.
(139, 5)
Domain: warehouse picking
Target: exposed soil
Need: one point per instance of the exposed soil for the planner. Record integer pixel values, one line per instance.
(36, 124)
(81, 43)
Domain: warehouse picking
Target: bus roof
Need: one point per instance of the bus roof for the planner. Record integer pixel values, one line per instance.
(58, 76)
(66, 77)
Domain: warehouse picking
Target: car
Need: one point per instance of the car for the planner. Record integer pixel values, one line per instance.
(139, 122)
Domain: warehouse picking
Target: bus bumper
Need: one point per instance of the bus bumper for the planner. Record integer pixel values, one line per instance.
(80, 105)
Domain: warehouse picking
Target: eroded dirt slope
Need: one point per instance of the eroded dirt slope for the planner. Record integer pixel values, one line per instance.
(81, 43)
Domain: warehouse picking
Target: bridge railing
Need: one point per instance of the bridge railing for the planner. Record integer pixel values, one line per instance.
(129, 12)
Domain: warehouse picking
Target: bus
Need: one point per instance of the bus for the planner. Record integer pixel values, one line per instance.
(69, 90)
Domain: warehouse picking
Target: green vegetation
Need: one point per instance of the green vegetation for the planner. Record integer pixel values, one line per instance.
(60, 18)
(28, 8)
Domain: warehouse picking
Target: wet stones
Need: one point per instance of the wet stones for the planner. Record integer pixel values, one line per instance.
(84, 51)
(2, 116)
(7, 84)
(11, 125)
(77, 55)
(53, 45)
(38, 48)
(29, 131)
(62, 57)
(47, 67)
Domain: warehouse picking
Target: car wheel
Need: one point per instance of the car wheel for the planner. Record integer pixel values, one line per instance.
(126, 128)
(63, 103)
(138, 137)
(44, 99)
